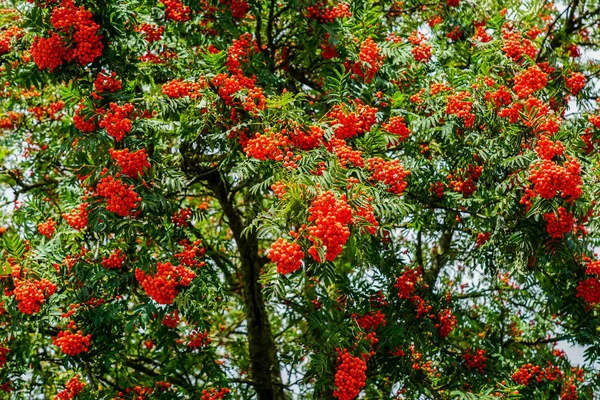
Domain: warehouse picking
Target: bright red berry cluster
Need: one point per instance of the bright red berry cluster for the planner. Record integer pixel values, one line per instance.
(78, 217)
(457, 105)
(107, 83)
(307, 139)
(390, 173)
(515, 46)
(151, 33)
(171, 320)
(527, 372)
(73, 387)
(287, 255)
(190, 254)
(371, 321)
(466, 184)
(72, 343)
(77, 27)
(133, 163)
(116, 121)
(549, 179)
(199, 339)
(575, 83)
(181, 217)
(162, 286)
(346, 154)
(330, 230)
(350, 124)
(396, 126)
(177, 89)
(367, 215)
(214, 394)
(47, 228)
(114, 261)
(529, 81)
(266, 146)
(240, 51)
(120, 199)
(476, 360)
(84, 125)
(176, 11)
(48, 53)
(325, 13)
(407, 282)
(370, 61)
(31, 294)
(350, 376)
(558, 226)
(546, 149)
(589, 290)
(447, 322)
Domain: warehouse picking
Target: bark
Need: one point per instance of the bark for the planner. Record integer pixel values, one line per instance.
(264, 363)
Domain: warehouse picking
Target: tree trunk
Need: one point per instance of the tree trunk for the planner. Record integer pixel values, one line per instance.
(265, 370)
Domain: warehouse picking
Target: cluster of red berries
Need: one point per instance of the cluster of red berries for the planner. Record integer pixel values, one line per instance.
(307, 140)
(515, 46)
(549, 178)
(151, 33)
(475, 360)
(177, 89)
(589, 290)
(287, 255)
(367, 215)
(390, 173)
(53, 51)
(447, 323)
(120, 199)
(72, 388)
(171, 320)
(3, 353)
(6, 36)
(325, 14)
(575, 83)
(31, 294)
(370, 61)
(181, 217)
(350, 376)
(176, 11)
(345, 153)
(421, 51)
(595, 120)
(482, 238)
(407, 282)
(72, 343)
(84, 125)
(238, 8)
(116, 121)
(107, 83)
(266, 146)
(558, 226)
(351, 124)
(190, 254)
(457, 105)
(47, 228)
(78, 217)
(162, 286)
(371, 321)
(529, 371)
(328, 50)
(466, 184)
(501, 97)
(396, 126)
(199, 339)
(214, 394)
(114, 261)
(133, 163)
(240, 51)
(547, 150)
(529, 81)
(330, 230)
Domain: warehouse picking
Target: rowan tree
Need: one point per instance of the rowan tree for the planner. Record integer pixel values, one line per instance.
(299, 199)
